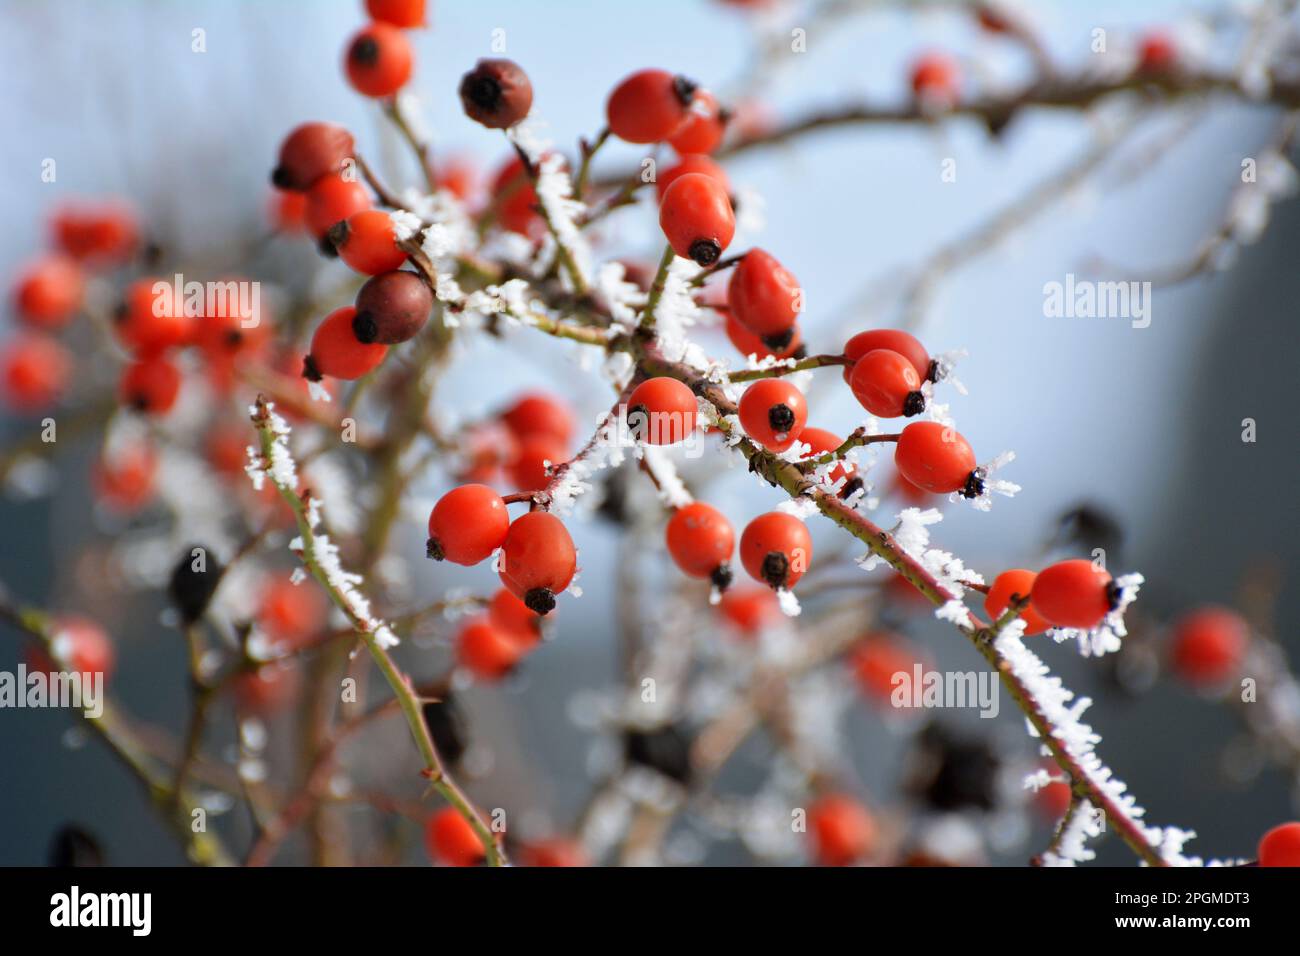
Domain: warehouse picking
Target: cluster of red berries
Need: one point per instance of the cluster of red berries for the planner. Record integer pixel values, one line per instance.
(537, 558)
(695, 209)
(318, 160)
(89, 237)
(522, 444)
(152, 322)
(775, 548)
(394, 304)
(1069, 594)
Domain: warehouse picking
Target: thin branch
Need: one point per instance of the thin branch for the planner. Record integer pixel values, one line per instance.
(776, 371)
(313, 549)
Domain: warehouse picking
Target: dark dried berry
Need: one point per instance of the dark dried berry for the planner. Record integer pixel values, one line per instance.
(194, 580)
(496, 93)
(74, 846)
(952, 771)
(392, 308)
(665, 749)
(447, 728)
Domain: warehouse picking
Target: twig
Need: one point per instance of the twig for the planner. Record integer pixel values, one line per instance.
(368, 629)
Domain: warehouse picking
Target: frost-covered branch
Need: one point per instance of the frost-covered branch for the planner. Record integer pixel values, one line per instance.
(273, 461)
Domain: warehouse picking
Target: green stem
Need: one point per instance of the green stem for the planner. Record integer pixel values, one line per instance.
(203, 848)
(776, 371)
(588, 153)
(657, 288)
(407, 699)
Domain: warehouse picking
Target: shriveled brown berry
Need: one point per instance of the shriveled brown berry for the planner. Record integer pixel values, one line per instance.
(496, 93)
(392, 308)
(310, 152)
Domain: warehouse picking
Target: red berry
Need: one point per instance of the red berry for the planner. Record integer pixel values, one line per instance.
(150, 385)
(226, 448)
(150, 320)
(692, 164)
(821, 441)
(459, 176)
(887, 385)
(333, 198)
(467, 524)
(225, 335)
(935, 81)
(1209, 644)
(287, 211)
(936, 458)
(700, 540)
(776, 549)
(80, 645)
(451, 839)
(496, 93)
(515, 200)
(487, 447)
(528, 467)
(336, 352)
(540, 414)
(100, 234)
(1011, 585)
(773, 413)
(268, 689)
(556, 851)
(392, 308)
(749, 609)
(514, 617)
(124, 481)
(1280, 846)
(896, 340)
(695, 215)
(291, 614)
(747, 343)
(400, 13)
(538, 559)
(706, 124)
(367, 241)
(649, 106)
(1073, 593)
(877, 658)
(311, 151)
(378, 60)
(49, 292)
(1054, 799)
(841, 829)
(662, 411)
(765, 298)
(487, 651)
(33, 372)
(1157, 53)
